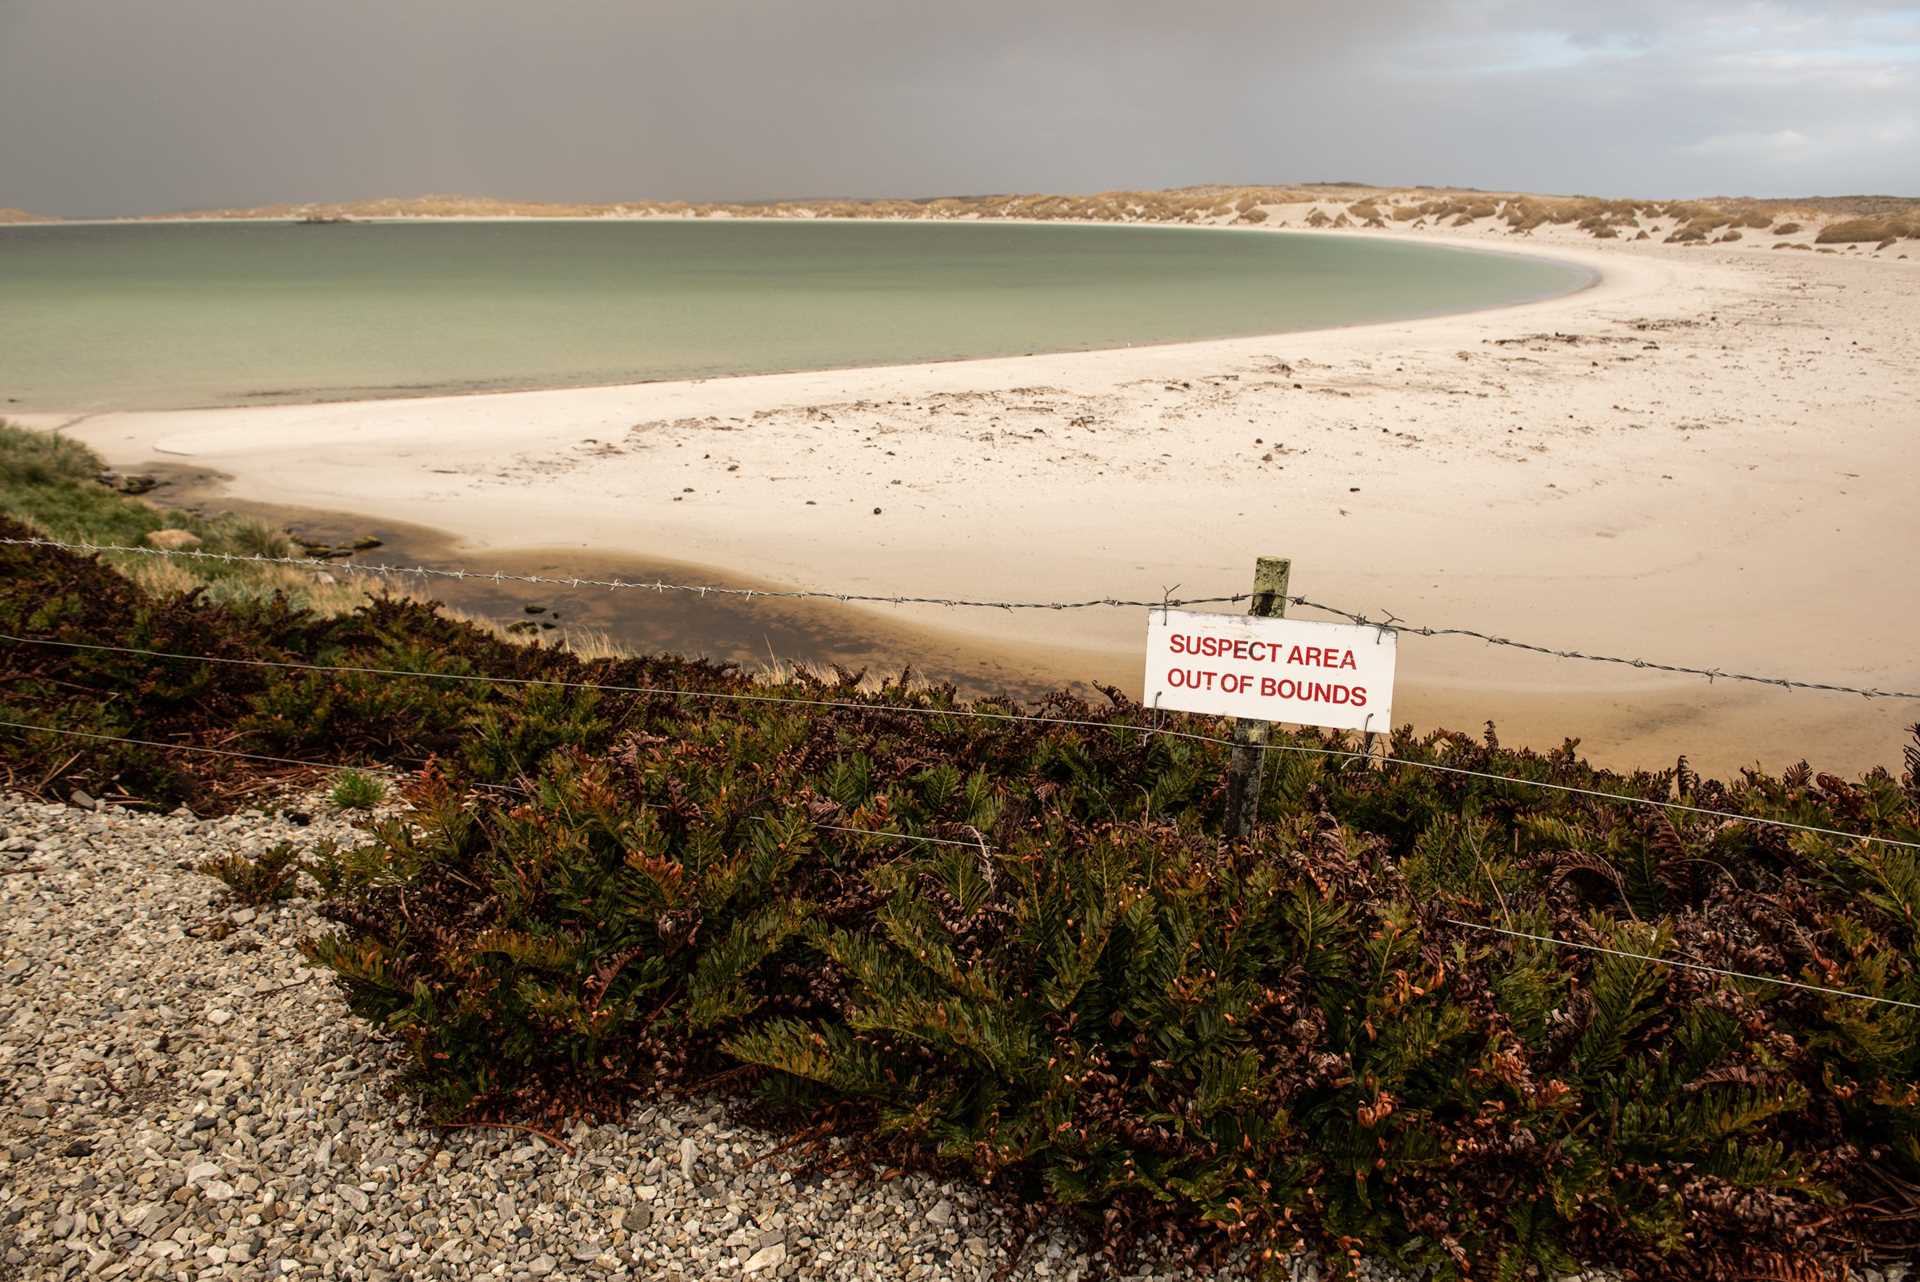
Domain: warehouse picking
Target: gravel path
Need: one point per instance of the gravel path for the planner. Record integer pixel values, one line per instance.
(182, 1097)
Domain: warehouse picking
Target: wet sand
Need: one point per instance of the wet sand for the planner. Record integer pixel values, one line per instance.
(762, 635)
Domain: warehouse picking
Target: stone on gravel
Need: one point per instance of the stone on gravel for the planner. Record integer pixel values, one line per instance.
(767, 1257)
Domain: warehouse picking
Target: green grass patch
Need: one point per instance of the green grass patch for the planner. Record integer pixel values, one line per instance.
(357, 790)
(53, 484)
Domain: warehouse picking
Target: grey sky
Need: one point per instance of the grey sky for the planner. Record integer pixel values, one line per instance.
(112, 106)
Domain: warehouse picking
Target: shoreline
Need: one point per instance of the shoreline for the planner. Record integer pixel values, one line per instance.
(1593, 264)
(769, 634)
(1564, 539)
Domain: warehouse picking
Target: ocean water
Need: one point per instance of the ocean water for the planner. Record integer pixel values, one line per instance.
(158, 316)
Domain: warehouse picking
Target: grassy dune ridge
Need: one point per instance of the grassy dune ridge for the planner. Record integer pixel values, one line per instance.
(1313, 204)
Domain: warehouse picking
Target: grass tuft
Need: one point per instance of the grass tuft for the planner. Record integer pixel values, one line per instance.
(357, 790)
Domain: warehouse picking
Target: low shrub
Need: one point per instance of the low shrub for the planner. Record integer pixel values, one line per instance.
(1080, 994)
(1857, 230)
(254, 881)
(1524, 215)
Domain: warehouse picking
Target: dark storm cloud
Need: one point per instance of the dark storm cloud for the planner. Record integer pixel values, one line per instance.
(110, 106)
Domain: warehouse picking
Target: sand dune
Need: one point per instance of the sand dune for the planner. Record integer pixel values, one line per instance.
(1706, 458)
(1720, 219)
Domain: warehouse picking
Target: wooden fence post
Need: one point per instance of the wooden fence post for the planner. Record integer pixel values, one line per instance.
(1248, 766)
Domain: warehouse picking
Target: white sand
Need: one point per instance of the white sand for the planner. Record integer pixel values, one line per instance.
(1720, 471)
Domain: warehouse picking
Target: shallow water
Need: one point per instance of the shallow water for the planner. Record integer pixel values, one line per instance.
(176, 315)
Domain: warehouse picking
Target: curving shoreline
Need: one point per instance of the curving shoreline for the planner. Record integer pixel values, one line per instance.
(1385, 464)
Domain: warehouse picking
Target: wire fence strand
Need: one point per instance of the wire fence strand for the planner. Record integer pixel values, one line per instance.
(1387, 621)
(976, 714)
(1679, 963)
(172, 747)
(1393, 623)
(658, 586)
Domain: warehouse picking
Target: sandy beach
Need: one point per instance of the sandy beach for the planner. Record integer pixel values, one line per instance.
(1705, 458)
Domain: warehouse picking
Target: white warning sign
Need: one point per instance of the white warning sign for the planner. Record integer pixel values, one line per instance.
(1301, 671)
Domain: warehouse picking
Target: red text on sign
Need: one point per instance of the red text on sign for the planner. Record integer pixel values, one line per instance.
(1306, 656)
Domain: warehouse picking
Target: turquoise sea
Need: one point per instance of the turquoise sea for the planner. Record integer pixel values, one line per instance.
(147, 316)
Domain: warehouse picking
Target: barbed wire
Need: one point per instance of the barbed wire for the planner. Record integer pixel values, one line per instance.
(1393, 623)
(1387, 621)
(976, 714)
(983, 846)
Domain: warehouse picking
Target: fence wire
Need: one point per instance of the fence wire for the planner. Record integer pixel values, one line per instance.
(1387, 621)
(1679, 963)
(975, 714)
(658, 586)
(1393, 623)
